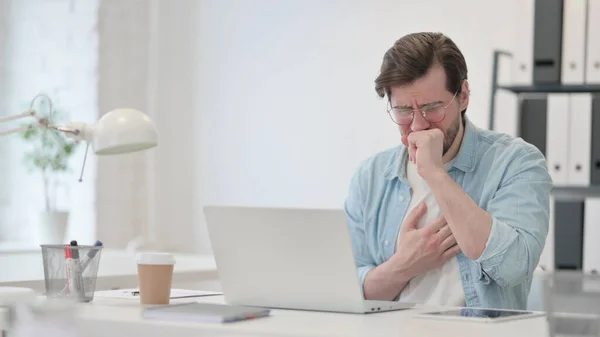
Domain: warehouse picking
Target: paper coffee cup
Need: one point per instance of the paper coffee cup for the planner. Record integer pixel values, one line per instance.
(155, 276)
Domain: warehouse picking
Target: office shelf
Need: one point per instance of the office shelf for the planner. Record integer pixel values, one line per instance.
(529, 89)
(551, 88)
(575, 193)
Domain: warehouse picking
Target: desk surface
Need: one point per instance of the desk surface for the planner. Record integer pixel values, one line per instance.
(116, 317)
(117, 267)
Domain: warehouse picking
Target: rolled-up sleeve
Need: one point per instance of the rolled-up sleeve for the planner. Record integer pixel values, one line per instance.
(353, 207)
(520, 211)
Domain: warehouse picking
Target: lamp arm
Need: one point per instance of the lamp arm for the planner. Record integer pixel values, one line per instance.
(78, 132)
(15, 130)
(75, 131)
(28, 113)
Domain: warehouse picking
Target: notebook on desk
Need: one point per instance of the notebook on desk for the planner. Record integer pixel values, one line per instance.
(134, 293)
(204, 312)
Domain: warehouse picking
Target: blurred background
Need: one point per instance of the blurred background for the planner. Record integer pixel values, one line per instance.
(259, 103)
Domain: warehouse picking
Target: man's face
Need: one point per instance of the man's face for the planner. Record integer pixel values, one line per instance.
(442, 108)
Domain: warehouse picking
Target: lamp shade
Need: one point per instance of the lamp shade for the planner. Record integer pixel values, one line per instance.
(123, 131)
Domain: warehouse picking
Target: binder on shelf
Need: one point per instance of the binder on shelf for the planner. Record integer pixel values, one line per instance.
(595, 141)
(508, 120)
(532, 123)
(591, 236)
(580, 136)
(573, 41)
(568, 234)
(522, 61)
(557, 137)
(592, 68)
(591, 229)
(547, 41)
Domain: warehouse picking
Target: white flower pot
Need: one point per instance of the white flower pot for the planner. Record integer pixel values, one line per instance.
(52, 227)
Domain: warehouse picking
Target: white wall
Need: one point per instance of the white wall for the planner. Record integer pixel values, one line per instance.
(123, 55)
(149, 63)
(47, 47)
(173, 169)
(286, 105)
(262, 102)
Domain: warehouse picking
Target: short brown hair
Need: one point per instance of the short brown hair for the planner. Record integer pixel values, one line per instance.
(414, 54)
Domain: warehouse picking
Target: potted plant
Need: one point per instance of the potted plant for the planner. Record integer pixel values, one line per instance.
(49, 155)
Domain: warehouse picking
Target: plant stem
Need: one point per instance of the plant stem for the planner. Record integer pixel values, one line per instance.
(46, 189)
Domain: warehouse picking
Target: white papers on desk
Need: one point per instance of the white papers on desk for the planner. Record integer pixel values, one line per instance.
(134, 293)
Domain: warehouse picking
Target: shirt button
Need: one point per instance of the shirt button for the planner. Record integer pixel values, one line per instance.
(401, 198)
(387, 242)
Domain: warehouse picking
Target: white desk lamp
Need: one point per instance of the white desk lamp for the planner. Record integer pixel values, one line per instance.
(118, 131)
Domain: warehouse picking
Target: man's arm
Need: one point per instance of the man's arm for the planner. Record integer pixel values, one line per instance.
(508, 238)
(470, 224)
(383, 282)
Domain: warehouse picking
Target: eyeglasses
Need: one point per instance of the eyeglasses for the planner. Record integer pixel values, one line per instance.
(434, 113)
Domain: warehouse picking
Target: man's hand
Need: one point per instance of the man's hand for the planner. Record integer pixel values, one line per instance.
(425, 149)
(419, 250)
(423, 249)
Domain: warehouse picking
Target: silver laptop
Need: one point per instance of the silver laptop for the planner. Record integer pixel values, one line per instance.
(288, 258)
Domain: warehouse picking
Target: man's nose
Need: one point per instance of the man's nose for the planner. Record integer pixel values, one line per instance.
(419, 123)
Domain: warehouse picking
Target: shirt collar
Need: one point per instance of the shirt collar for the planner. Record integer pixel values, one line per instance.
(464, 160)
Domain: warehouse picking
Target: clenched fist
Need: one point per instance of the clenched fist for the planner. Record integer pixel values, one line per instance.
(425, 149)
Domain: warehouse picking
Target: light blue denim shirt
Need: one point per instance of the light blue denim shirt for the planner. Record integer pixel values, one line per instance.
(504, 175)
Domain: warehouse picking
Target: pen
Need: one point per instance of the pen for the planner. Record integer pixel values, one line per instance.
(77, 271)
(90, 256)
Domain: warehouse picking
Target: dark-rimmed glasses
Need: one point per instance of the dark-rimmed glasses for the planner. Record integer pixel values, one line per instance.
(433, 113)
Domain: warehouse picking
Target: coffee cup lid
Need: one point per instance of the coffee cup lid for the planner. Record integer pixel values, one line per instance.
(155, 258)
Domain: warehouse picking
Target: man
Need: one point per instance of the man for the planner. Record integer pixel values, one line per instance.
(455, 215)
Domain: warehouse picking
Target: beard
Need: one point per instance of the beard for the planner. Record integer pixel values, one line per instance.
(451, 134)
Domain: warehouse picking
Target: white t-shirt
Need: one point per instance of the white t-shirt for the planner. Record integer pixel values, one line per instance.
(440, 286)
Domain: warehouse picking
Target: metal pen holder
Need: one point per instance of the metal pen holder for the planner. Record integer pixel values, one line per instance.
(71, 271)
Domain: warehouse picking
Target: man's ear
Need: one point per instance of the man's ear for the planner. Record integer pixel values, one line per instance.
(464, 95)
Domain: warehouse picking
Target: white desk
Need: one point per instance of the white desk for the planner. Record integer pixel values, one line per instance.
(117, 270)
(116, 317)
(122, 317)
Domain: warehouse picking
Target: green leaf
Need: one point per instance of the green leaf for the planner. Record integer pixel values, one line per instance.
(30, 133)
(68, 148)
(50, 150)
